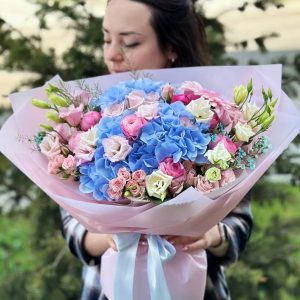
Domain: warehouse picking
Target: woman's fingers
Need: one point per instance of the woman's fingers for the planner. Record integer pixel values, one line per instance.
(201, 244)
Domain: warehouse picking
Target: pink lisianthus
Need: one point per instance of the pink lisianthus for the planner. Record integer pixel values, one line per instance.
(185, 98)
(55, 164)
(82, 96)
(74, 141)
(139, 176)
(69, 163)
(116, 148)
(71, 114)
(122, 172)
(64, 131)
(167, 91)
(176, 170)
(148, 111)
(117, 184)
(202, 185)
(132, 125)
(134, 99)
(227, 177)
(192, 86)
(50, 146)
(226, 141)
(152, 98)
(89, 120)
(114, 195)
(114, 110)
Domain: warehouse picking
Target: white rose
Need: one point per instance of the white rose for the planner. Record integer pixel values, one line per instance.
(200, 109)
(219, 155)
(243, 132)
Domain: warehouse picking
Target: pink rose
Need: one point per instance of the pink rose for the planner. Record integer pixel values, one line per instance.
(188, 165)
(50, 146)
(82, 96)
(214, 122)
(202, 185)
(167, 91)
(132, 125)
(139, 176)
(134, 188)
(75, 140)
(64, 131)
(122, 172)
(71, 114)
(185, 98)
(227, 177)
(152, 98)
(69, 163)
(55, 164)
(176, 187)
(116, 148)
(226, 141)
(134, 99)
(176, 170)
(117, 184)
(114, 110)
(89, 120)
(148, 111)
(114, 195)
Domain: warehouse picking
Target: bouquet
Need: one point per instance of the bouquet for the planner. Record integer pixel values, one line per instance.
(178, 149)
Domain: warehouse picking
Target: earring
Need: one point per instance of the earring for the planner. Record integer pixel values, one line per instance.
(173, 59)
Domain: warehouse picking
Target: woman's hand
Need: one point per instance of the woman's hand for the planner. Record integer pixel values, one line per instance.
(210, 239)
(96, 243)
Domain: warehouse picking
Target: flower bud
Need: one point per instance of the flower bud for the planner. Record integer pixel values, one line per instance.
(267, 123)
(59, 101)
(240, 94)
(250, 86)
(263, 116)
(53, 116)
(270, 93)
(51, 89)
(40, 103)
(273, 103)
(47, 127)
(264, 95)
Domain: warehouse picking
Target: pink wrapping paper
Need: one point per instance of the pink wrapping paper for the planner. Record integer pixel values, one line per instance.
(191, 213)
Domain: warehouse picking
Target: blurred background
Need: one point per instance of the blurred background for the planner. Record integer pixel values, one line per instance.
(40, 38)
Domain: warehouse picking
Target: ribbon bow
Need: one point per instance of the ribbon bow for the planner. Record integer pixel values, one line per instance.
(159, 251)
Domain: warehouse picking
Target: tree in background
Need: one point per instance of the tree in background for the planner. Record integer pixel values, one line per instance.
(35, 261)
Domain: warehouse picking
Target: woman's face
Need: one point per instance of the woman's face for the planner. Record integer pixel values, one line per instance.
(130, 42)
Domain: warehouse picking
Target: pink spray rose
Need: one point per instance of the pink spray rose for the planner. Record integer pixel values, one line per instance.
(226, 141)
(117, 184)
(114, 195)
(176, 170)
(122, 172)
(55, 164)
(202, 185)
(139, 176)
(116, 148)
(135, 189)
(71, 114)
(89, 120)
(50, 146)
(132, 125)
(69, 163)
(134, 99)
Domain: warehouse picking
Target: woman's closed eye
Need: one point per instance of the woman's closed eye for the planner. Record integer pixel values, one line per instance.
(132, 45)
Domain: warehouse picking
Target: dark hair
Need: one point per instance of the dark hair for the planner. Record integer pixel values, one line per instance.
(177, 25)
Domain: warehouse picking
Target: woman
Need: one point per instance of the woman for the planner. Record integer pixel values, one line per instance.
(152, 34)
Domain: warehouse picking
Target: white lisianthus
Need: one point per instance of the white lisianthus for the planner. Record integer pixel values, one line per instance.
(89, 137)
(50, 146)
(157, 184)
(219, 155)
(200, 109)
(243, 132)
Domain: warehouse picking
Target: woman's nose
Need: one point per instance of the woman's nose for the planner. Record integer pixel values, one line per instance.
(114, 52)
